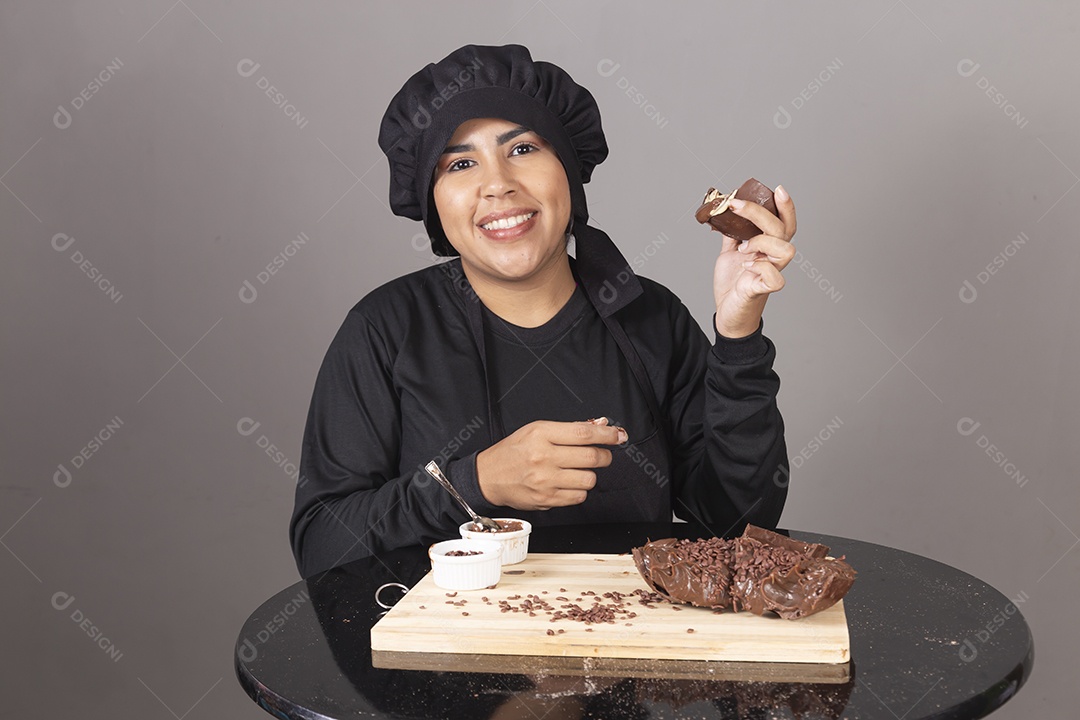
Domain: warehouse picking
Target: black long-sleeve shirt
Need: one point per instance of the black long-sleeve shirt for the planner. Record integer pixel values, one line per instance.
(403, 383)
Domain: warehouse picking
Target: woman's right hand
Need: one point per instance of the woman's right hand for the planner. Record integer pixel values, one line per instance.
(546, 464)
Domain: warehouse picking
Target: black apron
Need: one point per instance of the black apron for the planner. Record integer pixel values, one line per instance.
(636, 486)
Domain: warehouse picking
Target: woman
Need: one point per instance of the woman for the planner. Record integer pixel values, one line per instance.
(490, 363)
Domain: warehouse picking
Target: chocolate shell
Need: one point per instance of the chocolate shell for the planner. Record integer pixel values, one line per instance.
(676, 571)
(761, 571)
(714, 210)
(769, 537)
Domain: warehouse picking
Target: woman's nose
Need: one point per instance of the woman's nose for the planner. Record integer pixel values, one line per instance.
(498, 178)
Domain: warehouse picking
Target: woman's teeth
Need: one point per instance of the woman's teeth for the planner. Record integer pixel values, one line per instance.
(507, 223)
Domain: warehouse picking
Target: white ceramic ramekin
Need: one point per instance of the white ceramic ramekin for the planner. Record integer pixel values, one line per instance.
(466, 572)
(515, 544)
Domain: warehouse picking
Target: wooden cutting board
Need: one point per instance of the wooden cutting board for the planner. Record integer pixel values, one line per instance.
(427, 622)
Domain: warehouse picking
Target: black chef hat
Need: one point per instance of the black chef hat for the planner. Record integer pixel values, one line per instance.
(477, 81)
(485, 81)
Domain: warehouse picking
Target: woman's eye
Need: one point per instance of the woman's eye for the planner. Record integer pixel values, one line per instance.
(465, 163)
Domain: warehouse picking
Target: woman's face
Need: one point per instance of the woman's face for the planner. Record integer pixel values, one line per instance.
(503, 200)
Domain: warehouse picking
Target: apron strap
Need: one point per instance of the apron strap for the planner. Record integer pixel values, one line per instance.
(496, 431)
(638, 368)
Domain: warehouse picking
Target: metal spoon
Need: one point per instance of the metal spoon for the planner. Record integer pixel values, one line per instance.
(484, 522)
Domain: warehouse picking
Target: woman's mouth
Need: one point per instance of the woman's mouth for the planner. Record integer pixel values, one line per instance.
(509, 227)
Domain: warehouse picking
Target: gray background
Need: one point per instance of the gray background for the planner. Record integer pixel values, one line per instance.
(179, 180)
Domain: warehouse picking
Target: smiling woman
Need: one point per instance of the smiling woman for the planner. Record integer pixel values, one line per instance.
(519, 343)
(504, 203)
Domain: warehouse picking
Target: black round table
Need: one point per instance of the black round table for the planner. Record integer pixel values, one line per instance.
(927, 641)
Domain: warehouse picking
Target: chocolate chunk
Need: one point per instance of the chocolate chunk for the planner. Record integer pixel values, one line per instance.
(769, 537)
(714, 210)
(760, 572)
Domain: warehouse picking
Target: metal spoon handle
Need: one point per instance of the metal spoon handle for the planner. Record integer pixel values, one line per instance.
(434, 471)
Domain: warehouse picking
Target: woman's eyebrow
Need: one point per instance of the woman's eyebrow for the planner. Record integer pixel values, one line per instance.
(500, 140)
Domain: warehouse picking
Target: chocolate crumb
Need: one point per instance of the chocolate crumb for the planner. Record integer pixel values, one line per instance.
(465, 614)
(689, 630)
(550, 632)
(453, 594)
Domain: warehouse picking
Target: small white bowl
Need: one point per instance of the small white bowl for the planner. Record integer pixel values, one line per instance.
(515, 544)
(466, 572)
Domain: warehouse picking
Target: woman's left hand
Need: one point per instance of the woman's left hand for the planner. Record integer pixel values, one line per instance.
(747, 273)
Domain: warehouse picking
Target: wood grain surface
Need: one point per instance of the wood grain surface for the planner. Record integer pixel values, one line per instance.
(429, 621)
